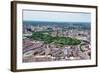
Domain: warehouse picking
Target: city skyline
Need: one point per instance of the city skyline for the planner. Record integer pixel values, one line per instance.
(56, 36)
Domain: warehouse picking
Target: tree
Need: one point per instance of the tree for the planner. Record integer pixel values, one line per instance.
(57, 40)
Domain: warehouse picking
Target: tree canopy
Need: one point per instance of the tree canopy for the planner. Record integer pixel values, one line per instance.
(47, 38)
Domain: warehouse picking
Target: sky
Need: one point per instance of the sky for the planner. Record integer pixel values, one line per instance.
(51, 16)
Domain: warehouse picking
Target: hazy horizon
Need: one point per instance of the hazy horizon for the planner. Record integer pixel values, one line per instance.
(53, 21)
